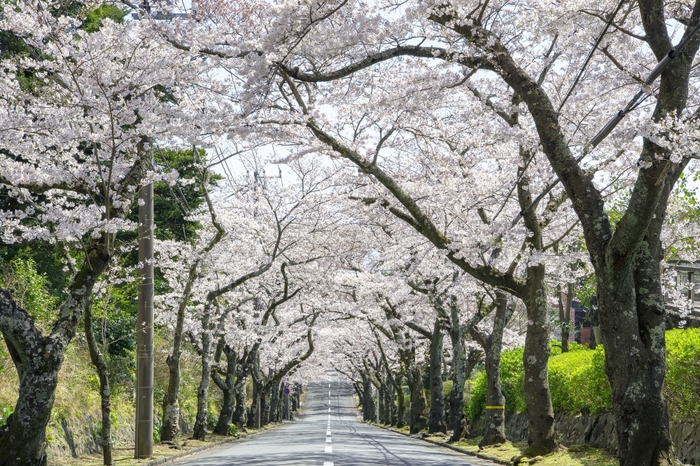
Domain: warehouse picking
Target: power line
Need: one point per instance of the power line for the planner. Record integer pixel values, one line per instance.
(590, 55)
(643, 93)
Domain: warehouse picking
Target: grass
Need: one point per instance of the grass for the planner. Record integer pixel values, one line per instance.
(123, 455)
(576, 455)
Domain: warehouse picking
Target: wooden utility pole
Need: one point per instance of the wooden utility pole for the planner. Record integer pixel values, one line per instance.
(144, 328)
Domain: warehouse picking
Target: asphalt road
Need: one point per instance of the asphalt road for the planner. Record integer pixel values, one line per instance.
(329, 433)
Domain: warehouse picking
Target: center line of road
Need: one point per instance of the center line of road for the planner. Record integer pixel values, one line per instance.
(329, 449)
(328, 432)
(328, 440)
(328, 463)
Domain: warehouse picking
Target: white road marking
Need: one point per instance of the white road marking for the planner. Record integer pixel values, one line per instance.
(328, 463)
(329, 449)
(329, 410)
(328, 440)
(329, 385)
(329, 416)
(329, 393)
(328, 432)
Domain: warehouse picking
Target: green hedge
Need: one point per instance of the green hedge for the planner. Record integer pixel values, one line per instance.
(682, 374)
(511, 384)
(578, 382)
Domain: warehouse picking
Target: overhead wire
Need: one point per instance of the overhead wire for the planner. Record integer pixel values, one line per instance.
(634, 103)
(643, 93)
(561, 105)
(590, 55)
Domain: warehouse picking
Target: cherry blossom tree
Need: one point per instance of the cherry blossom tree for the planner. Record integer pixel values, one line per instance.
(530, 56)
(76, 143)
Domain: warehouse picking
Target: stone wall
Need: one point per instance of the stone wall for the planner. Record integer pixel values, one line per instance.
(77, 437)
(599, 431)
(74, 437)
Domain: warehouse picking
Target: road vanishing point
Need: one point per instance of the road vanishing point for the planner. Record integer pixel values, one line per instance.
(328, 432)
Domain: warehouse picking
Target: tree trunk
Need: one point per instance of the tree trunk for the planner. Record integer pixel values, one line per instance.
(474, 357)
(369, 409)
(360, 395)
(264, 408)
(24, 442)
(461, 369)
(459, 373)
(635, 352)
(381, 408)
(170, 427)
(99, 362)
(436, 421)
(200, 425)
(459, 378)
(535, 357)
(228, 388)
(387, 401)
(417, 420)
(565, 315)
(275, 403)
(254, 419)
(494, 417)
(38, 360)
(400, 402)
(296, 397)
(390, 411)
(228, 407)
(171, 404)
(239, 415)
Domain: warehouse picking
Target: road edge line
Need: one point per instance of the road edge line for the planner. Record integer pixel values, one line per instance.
(446, 445)
(184, 454)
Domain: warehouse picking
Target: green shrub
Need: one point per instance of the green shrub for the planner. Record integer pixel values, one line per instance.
(446, 388)
(5, 412)
(512, 374)
(476, 405)
(30, 289)
(577, 379)
(577, 382)
(682, 374)
(511, 385)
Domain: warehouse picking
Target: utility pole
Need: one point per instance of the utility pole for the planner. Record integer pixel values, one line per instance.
(378, 401)
(144, 327)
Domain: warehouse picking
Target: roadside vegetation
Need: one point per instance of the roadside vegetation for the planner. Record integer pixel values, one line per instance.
(579, 385)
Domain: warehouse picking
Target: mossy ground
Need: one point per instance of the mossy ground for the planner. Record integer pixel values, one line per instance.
(576, 455)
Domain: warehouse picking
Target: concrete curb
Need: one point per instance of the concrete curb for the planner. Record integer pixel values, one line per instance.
(177, 456)
(451, 447)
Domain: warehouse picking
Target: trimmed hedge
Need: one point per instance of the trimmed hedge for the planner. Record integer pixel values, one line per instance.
(682, 390)
(578, 382)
